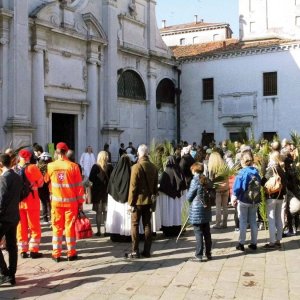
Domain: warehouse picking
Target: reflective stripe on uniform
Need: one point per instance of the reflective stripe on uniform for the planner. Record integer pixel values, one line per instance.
(57, 238)
(57, 246)
(65, 185)
(71, 247)
(59, 199)
(70, 239)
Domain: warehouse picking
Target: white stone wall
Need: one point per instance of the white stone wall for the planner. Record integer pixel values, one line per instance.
(74, 70)
(269, 18)
(238, 95)
(195, 37)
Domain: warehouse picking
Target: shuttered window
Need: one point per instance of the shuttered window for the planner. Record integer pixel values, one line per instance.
(208, 88)
(270, 84)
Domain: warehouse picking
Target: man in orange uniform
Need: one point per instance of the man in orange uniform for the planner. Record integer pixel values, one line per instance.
(30, 209)
(66, 199)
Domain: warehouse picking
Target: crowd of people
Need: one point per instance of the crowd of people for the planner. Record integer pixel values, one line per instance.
(134, 196)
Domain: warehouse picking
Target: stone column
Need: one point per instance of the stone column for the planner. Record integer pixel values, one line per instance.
(38, 101)
(151, 106)
(110, 20)
(93, 108)
(5, 18)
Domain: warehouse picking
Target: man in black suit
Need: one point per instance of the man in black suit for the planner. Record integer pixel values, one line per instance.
(10, 190)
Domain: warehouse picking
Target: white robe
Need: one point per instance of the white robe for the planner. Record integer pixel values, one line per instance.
(87, 160)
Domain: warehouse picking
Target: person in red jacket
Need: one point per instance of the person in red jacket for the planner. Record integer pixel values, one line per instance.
(66, 199)
(29, 227)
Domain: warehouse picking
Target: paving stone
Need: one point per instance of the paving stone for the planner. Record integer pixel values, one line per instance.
(102, 272)
(275, 294)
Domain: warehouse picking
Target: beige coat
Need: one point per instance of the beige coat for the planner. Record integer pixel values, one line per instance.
(141, 188)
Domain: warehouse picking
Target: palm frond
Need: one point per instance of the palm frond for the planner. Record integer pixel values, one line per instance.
(224, 173)
(184, 218)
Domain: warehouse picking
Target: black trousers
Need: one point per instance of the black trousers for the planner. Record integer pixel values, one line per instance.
(144, 212)
(9, 230)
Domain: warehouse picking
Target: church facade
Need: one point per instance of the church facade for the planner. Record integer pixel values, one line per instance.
(85, 72)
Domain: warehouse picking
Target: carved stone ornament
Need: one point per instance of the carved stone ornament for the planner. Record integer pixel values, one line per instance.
(132, 8)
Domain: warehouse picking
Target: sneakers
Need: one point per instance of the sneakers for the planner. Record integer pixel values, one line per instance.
(252, 246)
(240, 247)
(197, 258)
(35, 255)
(269, 246)
(132, 255)
(4, 279)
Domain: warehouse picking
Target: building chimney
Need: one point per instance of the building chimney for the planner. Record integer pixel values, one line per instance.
(196, 19)
(163, 23)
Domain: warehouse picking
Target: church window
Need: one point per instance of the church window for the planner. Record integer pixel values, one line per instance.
(130, 85)
(196, 40)
(252, 26)
(208, 88)
(270, 83)
(165, 92)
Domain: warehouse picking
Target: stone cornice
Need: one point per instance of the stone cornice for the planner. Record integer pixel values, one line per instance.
(240, 53)
(131, 19)
(190, 30)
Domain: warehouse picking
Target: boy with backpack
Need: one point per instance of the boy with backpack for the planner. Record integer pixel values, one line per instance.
(246, 192)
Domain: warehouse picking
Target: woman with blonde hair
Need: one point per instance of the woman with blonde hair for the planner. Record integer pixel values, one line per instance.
(215, 164)
(99, 176)
(275, 201)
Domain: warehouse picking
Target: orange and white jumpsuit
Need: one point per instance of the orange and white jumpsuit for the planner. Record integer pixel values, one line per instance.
(29, 225)
(66, 195)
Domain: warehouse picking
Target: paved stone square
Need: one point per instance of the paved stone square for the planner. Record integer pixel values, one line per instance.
(103, 273)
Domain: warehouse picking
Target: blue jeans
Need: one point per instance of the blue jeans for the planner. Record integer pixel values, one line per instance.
(247, 214)
(274, 217)
(202, 231)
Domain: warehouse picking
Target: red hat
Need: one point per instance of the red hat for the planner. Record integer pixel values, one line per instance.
(25, 153)
(62, 146)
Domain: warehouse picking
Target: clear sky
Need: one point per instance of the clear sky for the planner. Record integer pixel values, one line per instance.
(183, 11)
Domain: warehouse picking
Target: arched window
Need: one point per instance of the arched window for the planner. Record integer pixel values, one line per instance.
(165, 92)
(130, 85)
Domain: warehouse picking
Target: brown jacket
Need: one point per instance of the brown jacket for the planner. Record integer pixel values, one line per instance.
(141, 188)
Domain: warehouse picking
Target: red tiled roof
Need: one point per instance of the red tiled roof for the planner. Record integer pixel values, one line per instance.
(188, 26)
(229, 45)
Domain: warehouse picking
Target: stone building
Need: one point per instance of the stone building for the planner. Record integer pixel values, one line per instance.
(87, 72)
(248, 84)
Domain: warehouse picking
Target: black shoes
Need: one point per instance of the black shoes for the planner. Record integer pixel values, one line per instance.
(209, 257)
(56, 259)
(98, 234)
(24, 255)
(240, 247)
(252, 246)
(72, 258)
(35, 255)
(145, 254)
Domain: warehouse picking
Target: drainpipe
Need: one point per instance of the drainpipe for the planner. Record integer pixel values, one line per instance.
(178, 93)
